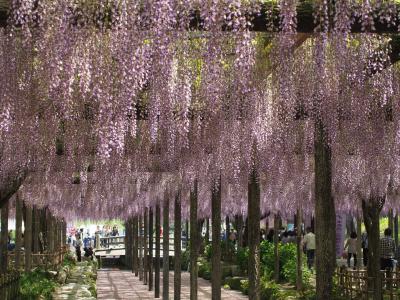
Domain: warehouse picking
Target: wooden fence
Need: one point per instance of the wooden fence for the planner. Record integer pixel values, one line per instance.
(9, 286)
(45, 260)
(353, 284)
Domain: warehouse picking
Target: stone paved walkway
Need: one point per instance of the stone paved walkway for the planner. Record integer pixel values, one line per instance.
(119, 284)
(74, 288)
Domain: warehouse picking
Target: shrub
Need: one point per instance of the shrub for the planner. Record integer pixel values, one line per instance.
(234, 282)
(185, 259)
(242, 259)
(244, 286)
(290, 272)
(269, 290)
(205, 270)
(37, 283)
(208, 251)
(69, 260)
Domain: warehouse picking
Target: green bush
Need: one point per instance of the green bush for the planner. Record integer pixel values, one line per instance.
(290, 272)
(234, 283)
(185, 259)
(228, 251)
(244, 286)
(269, 290)
(37, 283)
(69, 260)
(287, 262)
(204, 270)
(208, 251)
(242, 259)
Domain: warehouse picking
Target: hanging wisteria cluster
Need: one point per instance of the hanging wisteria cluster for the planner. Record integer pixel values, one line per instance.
(110, 106)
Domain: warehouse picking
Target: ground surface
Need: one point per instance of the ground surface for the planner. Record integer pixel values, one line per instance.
(120, 284)
(75, 287)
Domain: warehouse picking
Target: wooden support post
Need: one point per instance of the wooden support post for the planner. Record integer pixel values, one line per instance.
(157, 261)
(193, 242)
(151, 249)
(28, 238)
(35, 229)
(135, 260)
(187, 229)
(254, 235)
(18, 231)
(299, 278)
(145, 237)
(276, 248)
(127, 241)
(325, 215)
(50, 226)
(207, 235)
(4, 238)
(216, 271)
(239, 231)
(227, 231)
(390, 220)
(177, 247)
(140, 247)
(396, 230)
(166, 248)
(371, 213)
(359, 249)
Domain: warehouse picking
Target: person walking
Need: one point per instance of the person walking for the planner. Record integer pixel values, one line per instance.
(309, 244)
(78, 247)
(364, 246)
(388, 249)
(351, 246)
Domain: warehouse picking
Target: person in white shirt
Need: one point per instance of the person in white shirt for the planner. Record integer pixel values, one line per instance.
(351, 245)
(309, 244)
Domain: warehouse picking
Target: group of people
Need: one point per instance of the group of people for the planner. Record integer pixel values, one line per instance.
(387, 250)
(105, 232)
(79, 240)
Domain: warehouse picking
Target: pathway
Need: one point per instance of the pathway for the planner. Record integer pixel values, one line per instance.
(121, 284)
(74, 287)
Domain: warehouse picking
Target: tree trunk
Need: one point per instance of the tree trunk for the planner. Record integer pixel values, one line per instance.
(145, 250)
(157, 262)
(166, 249)
(299, 278)
(193, 242)
(151, 249)
(4, 237)
(28, 238)
(371, 212)
(216, 272)
(254, 235)
(325, 215)
(177, 248)
(276, 248)
(18, 231)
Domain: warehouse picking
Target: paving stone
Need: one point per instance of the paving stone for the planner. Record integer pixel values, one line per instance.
(118, 284)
